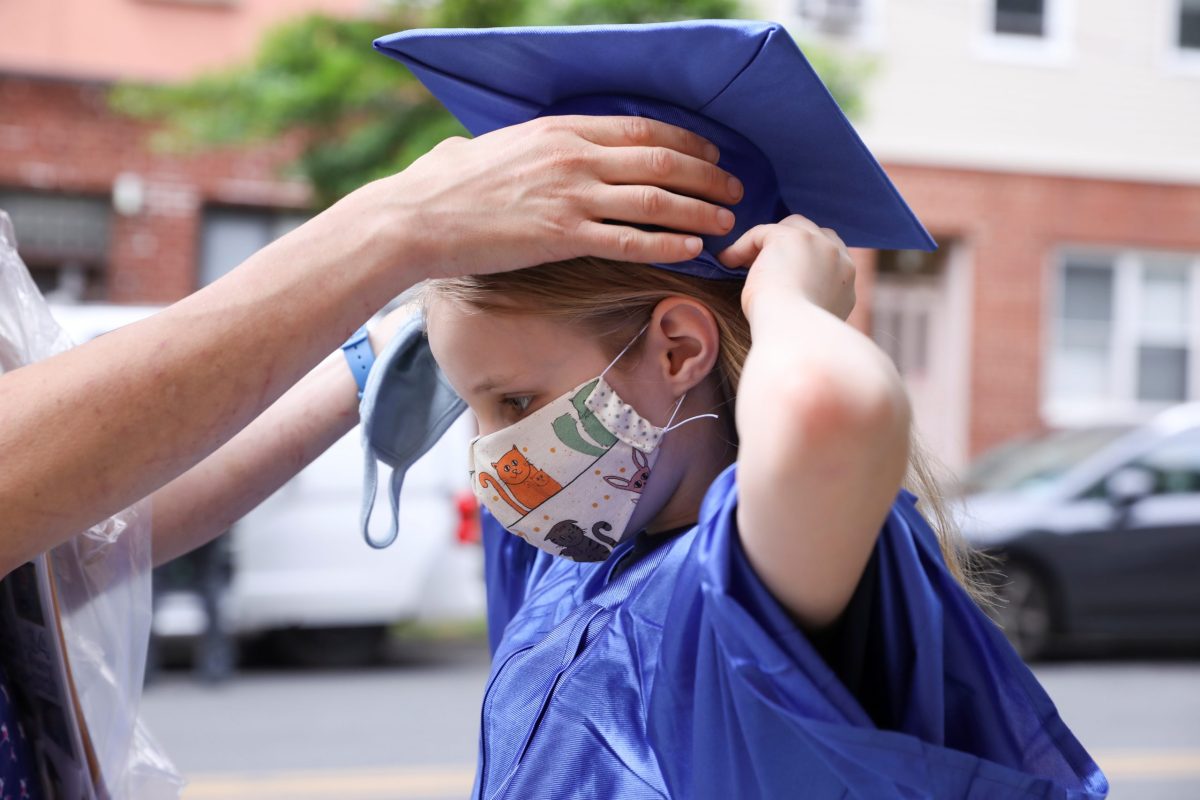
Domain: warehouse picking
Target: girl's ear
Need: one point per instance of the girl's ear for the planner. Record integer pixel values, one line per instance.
(685, 340)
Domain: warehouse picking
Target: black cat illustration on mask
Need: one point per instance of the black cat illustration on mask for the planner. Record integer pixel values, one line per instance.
(576, 545)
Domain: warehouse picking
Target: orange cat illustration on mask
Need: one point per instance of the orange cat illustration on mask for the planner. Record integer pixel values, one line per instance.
(529, 485)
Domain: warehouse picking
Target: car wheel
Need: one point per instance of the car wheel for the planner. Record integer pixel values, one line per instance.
(1022, 609)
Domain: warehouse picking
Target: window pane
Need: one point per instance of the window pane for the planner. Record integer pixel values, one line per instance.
(1087, 293)
(53, 229)
(1164, 312)
(1080, 374)
(1083, 352)
(1162, 374)
(1021, 17)
(1189, 24)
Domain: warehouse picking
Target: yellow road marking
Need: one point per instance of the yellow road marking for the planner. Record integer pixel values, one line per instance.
(455, 781)
(1149, 763)
(351, 784)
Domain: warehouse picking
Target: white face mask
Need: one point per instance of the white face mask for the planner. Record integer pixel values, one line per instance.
(568, 477)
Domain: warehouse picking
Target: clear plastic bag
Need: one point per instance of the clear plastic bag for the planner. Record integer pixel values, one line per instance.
(102, 578)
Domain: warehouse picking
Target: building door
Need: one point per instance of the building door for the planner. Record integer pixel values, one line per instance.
(920, 316)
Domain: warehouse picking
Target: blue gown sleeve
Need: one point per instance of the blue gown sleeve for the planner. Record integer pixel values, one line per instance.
(743, 705)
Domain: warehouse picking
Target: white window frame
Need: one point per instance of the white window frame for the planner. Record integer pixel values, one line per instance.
(1178, 60)
(1123, 405)
(1055, 48)
(869, 33)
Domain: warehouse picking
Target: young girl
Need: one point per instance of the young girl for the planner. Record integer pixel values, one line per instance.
(704, 577)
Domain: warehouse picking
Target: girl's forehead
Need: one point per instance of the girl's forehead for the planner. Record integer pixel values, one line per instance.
(473, 345)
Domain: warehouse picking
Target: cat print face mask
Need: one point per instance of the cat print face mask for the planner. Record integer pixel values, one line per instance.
(568, 477)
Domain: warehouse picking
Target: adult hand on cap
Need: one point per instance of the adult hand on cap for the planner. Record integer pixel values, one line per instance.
(555, 188)
(795, 255)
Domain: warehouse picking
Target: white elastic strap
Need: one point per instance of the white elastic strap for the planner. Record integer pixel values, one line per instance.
(624, 350)
(669, 427)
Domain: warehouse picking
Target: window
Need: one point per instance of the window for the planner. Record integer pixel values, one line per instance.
(1027, 31)
(1163, 332)
(63, 239)
(1084, 347)
(1189, 25)
(839, 18)
(1124, 334)
(1020, 17)
(231, 235)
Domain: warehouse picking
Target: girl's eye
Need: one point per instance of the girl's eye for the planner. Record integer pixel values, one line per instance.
(519, 403)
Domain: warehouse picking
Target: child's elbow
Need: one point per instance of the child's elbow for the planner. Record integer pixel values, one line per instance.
(833, 405)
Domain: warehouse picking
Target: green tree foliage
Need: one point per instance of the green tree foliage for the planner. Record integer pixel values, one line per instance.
(360, 115)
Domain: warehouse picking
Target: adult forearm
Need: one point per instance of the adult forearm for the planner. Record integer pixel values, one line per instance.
(210, 497)
(90, 431)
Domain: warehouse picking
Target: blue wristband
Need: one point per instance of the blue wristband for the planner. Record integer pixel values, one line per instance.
(360, 357)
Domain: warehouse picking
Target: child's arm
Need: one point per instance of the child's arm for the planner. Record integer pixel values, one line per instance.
(823, 421)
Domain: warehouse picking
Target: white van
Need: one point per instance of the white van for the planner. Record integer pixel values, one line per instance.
(299, 562)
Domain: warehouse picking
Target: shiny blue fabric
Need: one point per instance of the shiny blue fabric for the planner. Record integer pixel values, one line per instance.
(743, 83)
(684, 678)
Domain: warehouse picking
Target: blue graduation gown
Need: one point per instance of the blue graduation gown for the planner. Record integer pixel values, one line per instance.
(682, 677)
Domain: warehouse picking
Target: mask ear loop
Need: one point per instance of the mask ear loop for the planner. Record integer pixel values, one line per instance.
(678, 404)
(669, 427)
(625, 350)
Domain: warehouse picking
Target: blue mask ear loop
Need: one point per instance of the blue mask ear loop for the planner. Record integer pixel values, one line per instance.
(370, 486)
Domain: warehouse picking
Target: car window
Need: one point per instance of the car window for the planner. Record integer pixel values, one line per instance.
(1175, 463)
(1031, 464)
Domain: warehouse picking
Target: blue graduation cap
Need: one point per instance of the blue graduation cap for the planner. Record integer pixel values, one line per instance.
(743, 85)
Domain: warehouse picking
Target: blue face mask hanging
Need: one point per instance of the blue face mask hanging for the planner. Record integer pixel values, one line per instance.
(406, 407)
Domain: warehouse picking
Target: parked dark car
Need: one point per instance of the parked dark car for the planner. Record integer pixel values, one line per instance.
(1097, 532)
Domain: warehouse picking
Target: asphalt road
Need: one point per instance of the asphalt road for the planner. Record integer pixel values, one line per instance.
(408, 729)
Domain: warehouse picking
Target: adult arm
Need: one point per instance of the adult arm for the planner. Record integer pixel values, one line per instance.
(209, 498)
(90, 431)
(823, 421)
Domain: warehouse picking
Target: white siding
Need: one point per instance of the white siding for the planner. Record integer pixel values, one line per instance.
(1112, 97)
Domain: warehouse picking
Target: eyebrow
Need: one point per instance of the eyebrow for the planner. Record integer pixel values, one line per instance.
(489, 383)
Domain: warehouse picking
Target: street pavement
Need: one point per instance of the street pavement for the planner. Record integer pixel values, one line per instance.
(407, 730)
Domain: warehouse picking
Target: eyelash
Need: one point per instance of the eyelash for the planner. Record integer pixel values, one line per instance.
(519, 403)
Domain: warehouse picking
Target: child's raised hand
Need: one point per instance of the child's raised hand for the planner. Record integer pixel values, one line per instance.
(794, 255)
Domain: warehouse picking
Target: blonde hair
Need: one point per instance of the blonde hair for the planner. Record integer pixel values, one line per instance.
(613, 300)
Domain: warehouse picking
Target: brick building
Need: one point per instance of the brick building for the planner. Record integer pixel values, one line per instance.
(100, 212)
(1052, 147)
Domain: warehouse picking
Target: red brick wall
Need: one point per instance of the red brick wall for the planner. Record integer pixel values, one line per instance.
(1012, 225)
(59, 136)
